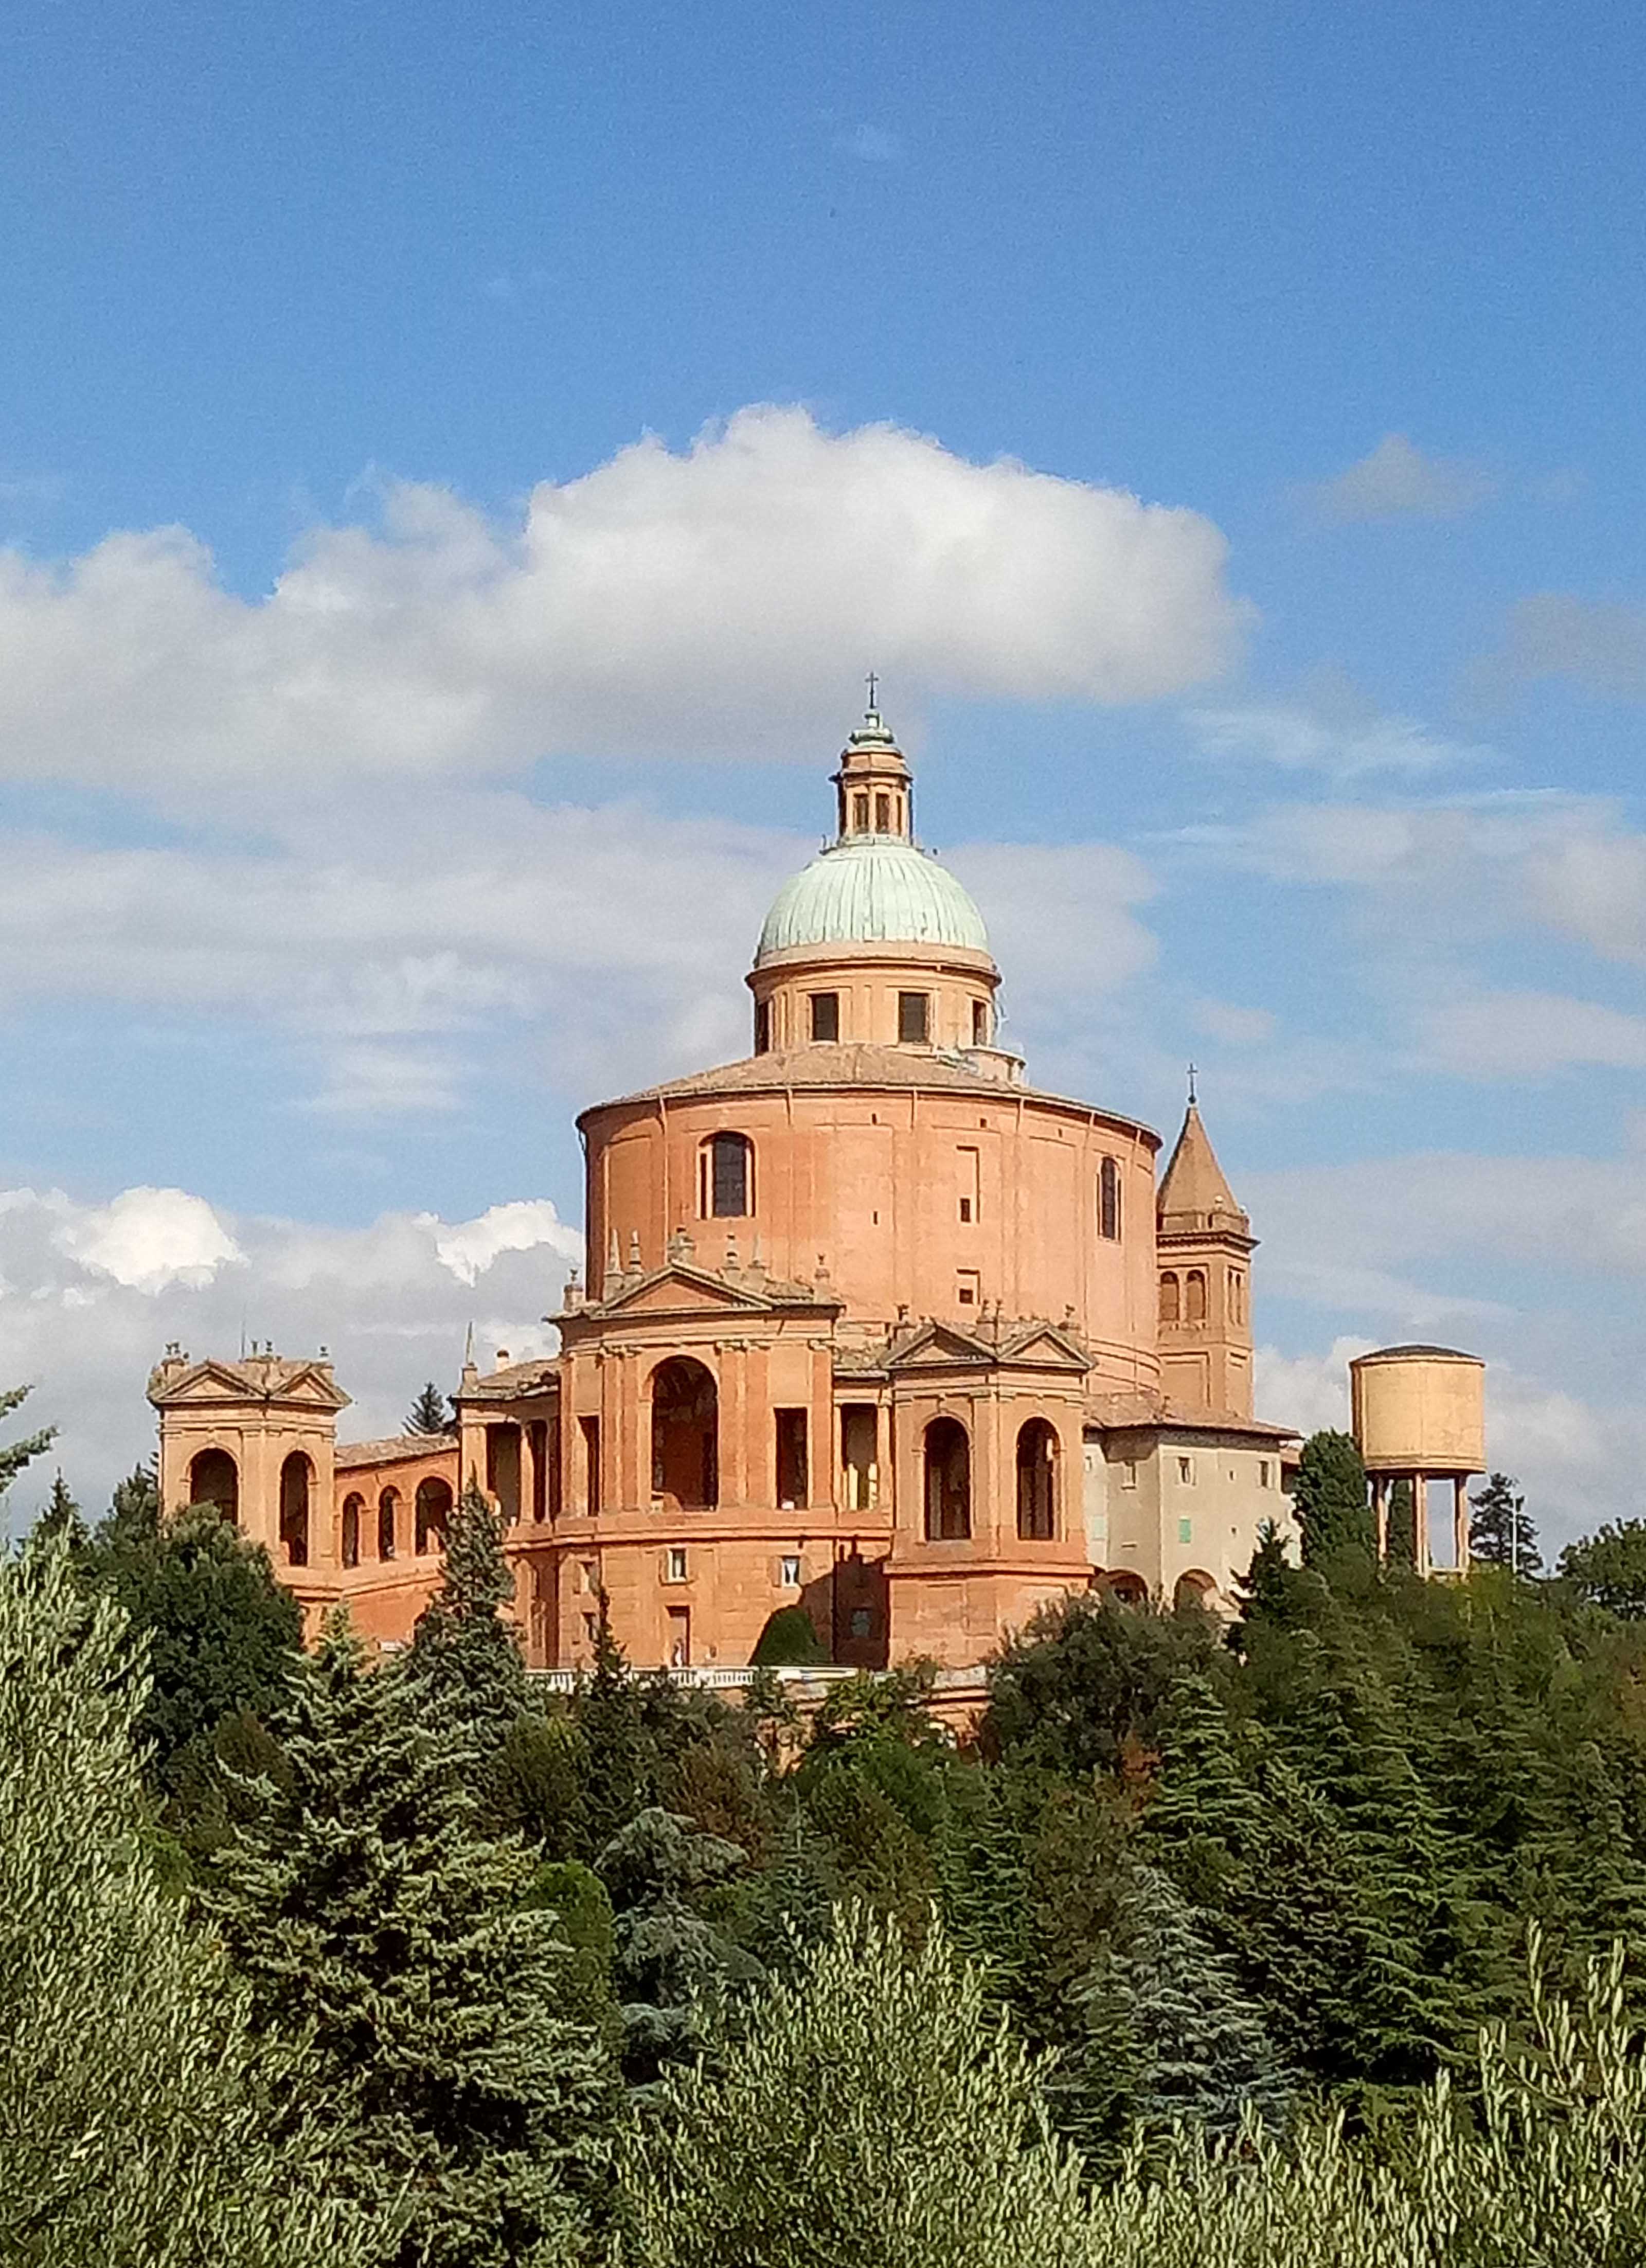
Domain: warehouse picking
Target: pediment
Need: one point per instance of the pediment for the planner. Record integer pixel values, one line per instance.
(1047, 1345)
(938, 1346)
(679, 1288)
(220, 1385)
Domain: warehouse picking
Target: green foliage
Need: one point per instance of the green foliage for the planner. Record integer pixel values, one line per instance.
(1402, 1528)
(873, 2115)
(465, 1653)
(1084, 1689)
(369, 1914)
(221, 1634)
(15, 1455)
(1500, 1533)
(673, 1968)
(137, 2111)
(1608, 1568)
(59, 1519)
(790, 1640)
(1330, 1499)
(431, 1413)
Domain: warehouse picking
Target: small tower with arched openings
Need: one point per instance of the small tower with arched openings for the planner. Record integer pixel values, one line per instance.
(875, 788)
(1204, 1244)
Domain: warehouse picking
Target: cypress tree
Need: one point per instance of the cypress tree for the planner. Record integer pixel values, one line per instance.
(369, 1914)
(1402, 1530)
(59, 1518)
(1330, 1498)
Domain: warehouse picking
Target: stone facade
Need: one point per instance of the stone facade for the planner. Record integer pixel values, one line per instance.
(873, 1327)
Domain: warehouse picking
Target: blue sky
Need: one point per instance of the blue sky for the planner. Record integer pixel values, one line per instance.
(397, 747)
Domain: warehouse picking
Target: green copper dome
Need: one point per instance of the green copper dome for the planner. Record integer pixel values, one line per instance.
(872, 890)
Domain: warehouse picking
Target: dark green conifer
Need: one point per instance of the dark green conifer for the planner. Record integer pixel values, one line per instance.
(59, 1520)
(1330, 1498)
(369, 1913)
(1500, 1533)
(1401, 1549)
(465, 1654)
(431, 1413)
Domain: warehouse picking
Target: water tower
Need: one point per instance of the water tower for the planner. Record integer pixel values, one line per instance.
(1420, 1415)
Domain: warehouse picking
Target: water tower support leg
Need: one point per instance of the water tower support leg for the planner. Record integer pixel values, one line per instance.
(1421, 1551)
(1460, 1523)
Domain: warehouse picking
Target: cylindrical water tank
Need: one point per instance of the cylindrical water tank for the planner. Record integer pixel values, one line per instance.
(1420, 1410)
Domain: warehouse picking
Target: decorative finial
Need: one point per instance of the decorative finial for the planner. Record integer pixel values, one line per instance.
(1193, 1075)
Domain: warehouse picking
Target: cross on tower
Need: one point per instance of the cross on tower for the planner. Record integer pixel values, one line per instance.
(873, 683)
(1193, 1075)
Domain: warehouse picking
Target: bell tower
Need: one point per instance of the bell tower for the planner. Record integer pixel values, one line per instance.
(1204, 1244)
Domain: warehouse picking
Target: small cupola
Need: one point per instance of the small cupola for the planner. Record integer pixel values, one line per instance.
(875, 789)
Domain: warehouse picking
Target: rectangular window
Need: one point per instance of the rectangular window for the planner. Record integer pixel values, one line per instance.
(591, 1627)
(969, 1288)
(979, 1023)
(1128, 1473)
(970, 1162)
(1262, 1472)
(860, 813)
(680, 1638)
(792, 1477)
(589, 1576)
(826, 1015)
(590, 1428)
(1186, 1471)
(857, 1455)
(861, 1622)
(1186, 1531)
(676, 1572)
(763, 1027)
(789, 1572)
(883, 815)
(1109, 1200)
(913, 1018)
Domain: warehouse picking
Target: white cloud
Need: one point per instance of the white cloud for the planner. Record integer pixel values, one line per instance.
(1399, 481)
(1598, 645)
(146, 1239)
(1315, 737)
(701, 602)
(1528, 1035)
(91, 1293)
(1234, 1027)
(1308, 1391)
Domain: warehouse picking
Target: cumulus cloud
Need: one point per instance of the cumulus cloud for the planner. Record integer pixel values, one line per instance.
(1344, 738)
(705, 602)
(1399, 481)
(1528, 1035)
(91, 1293)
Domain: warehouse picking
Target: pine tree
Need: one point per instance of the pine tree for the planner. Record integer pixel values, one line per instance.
(1265, 1591)
(431, 1413)
(671, 1968)
(1608, 1569)
(15, 1455)
(1200, 2050)
(873, 2115)
(1330, 1498)
(59, 1518)
(1500, 1535)
(466, 1650)
(369, 1913)
(138, 2112)
(135, 1507)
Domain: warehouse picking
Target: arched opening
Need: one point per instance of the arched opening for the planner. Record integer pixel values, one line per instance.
(1037, 1481)
(948, 1482)
(1126, 1588)
(353, 1506)
(684, 1434)
(433, 1514)
(1196, 1589)
(1194, 1296)
(388, 1506)
(1109, 1199)
(296, 1484)
(1170, 1298)
(214, 1479)
(726, 1171)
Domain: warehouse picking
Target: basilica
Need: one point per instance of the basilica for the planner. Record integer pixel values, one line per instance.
(872, 1327)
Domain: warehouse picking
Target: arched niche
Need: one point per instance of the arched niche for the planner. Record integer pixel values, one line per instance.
(1037, 1481)
(684, 1434)
(388, 1507)
(296, 1492)
(1195, 1588)
(353, 1506)
(433, 1505)
(948, 1482)
(214, 1478)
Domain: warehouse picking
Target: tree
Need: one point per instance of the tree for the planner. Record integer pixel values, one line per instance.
(1088, 1681)
(15, 1455)
(221, 1634)
(431, 1413)
(1330, 1498)
(465, 1649)
(370, 1914)
(1500, 1532)
(874, 2115)
(789, 1641)
(1608, 1569)
(1402, 1528)
(1199, 2051)
(137, 2110)
(59, 1517)
(672, 1967)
